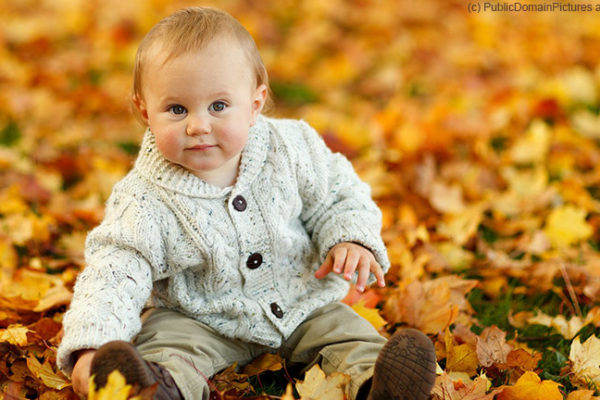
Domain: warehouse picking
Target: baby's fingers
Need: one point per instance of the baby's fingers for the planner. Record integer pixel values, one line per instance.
(378, 272)
(363, 276)
(352, 260)
(325, 268)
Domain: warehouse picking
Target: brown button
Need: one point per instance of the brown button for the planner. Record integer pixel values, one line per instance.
(276, 310)
(239, 203)
(254, 260)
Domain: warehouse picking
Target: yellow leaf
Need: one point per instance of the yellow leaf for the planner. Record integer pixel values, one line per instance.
(116, 388)
(11, 201)
(586, 361)
(567, 225)
(289, 393)
(533, 146)
(55, 296)
(317, 386)
(462, 357)
(455, 255)
(526, 183)
(531, 387)
(370, 314)
(460, 227)
(46, 373)
(14, 334)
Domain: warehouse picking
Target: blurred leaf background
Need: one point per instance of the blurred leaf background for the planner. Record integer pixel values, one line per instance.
(479, 134)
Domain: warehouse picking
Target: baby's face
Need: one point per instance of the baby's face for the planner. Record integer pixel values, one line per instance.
(200, 106)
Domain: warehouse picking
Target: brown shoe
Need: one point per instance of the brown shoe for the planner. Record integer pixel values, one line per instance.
(124, 357)
(405, 368)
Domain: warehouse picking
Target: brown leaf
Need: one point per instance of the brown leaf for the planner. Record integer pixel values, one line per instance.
(230, 379)
(492, 347)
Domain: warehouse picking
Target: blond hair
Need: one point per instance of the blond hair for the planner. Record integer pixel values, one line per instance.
(188, 30)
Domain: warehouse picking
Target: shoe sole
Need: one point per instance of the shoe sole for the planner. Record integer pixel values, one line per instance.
(405, 365)
(121, 356)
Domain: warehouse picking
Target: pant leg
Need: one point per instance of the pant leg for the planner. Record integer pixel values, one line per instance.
(340, 340)
(191, 351)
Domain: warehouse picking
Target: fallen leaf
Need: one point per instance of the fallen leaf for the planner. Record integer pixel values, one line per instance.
(492, 347)
(531, 387)
(289, 393)
(370, 314)
(46, 373)
(460, 357)
(533, 146)
(14, 334)
(586, 361)
(566, 225)
(522, 359)
(230, 379)
(264, 362)
(460, 226)
(115, 389)
(317, 386)
(431, 306)
(445, 388)
(581, 395)
(568, 329)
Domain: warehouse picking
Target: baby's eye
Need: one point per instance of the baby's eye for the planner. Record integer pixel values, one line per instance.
(218, 106)
(177, 109)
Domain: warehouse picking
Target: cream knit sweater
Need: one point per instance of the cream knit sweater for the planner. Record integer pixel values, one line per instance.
(240, 259)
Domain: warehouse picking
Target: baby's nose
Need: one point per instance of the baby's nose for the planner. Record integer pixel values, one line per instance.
(198, 125)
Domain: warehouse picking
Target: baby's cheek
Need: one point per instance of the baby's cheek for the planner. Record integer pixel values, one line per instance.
(168, 144)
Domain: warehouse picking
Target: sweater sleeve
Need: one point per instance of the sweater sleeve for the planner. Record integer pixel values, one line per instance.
(337, 205)
(117, 281)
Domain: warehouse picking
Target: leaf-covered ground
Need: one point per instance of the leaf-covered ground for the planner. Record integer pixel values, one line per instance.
(478, 132)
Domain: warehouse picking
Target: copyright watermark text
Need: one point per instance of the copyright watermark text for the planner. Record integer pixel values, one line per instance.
(517, 6)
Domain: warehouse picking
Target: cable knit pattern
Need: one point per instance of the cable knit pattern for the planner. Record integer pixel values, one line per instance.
(176, 241)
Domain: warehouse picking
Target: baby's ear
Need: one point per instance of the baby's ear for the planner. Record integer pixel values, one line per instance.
(140, 107)
(258, 101)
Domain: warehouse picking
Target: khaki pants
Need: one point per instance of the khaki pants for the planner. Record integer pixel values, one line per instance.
(334, 336)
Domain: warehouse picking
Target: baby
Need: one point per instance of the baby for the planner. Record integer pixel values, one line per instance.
(242, 232)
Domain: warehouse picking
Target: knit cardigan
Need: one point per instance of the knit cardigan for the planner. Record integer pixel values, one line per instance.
(240, 259)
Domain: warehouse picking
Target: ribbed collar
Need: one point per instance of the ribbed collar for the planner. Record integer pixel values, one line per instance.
(153, 166)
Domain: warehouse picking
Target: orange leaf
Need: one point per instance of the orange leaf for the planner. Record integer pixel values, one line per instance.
(264, 362)
(521, 358)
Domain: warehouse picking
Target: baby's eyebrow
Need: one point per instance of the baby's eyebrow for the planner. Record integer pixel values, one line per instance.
(222, 93)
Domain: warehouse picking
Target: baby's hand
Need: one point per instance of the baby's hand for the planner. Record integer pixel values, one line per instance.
(81, 372)
(348, 257)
